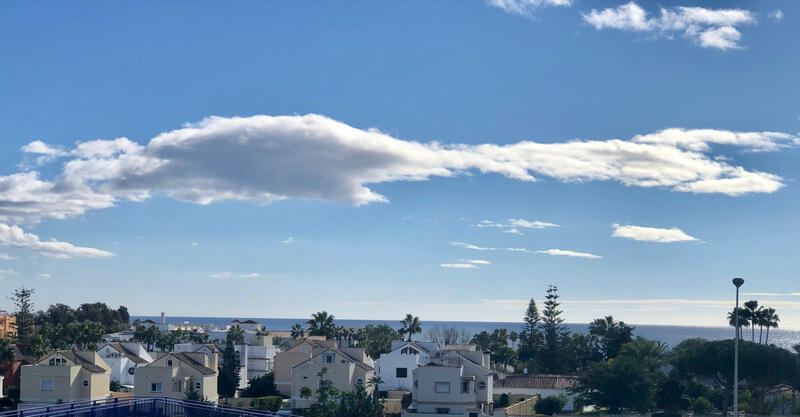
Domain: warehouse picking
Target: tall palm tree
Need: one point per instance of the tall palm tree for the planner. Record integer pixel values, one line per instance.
(410, 326)
(297, 331)
(743, 321)
(321, 324)
(772, 320)
(375, 381)
(752, 311)
(761, 321)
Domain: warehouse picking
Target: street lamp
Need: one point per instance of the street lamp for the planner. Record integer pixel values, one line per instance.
(738, 283)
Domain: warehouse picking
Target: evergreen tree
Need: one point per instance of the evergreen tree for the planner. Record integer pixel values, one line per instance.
(531, 336)
(24, 314)
(230, 371)
(551, 356)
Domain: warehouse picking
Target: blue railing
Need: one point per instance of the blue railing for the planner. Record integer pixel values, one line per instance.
(139, 407)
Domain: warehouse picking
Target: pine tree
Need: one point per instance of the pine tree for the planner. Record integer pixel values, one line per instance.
(24, 314)
(552, 354)
(531, 336)
(230, 371)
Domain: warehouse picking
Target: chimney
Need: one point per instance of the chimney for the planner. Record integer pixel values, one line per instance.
(163, 318)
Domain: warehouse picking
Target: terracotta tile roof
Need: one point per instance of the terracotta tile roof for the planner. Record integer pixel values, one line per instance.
(555, 382)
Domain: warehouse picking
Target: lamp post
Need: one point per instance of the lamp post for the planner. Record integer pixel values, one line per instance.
(737, 282)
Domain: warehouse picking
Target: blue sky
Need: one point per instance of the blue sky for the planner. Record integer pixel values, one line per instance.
(378, 158)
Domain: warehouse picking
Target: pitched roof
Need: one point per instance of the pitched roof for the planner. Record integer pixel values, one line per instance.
(338, 351)
(557, 382)
(194, 364)
(128, 353)
(79, 360)
(415, 344)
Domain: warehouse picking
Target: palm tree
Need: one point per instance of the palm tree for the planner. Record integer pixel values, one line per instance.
(321, 324)
(743, 321)
(262, 331)
(297, 331)
(236, 335)
(761, 321)
(772, 320)
(410, 326)
(375, 381)
(752, 313)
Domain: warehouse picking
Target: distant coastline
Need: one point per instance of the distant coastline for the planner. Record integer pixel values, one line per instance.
(669, 334)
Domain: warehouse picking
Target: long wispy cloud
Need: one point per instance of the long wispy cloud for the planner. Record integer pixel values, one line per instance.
(225, 275)
(708, 28)
(570, 253)
(526, 7)
(16, 237)
(651, 234)
(513, 225)
(484, 248)
(263, 159)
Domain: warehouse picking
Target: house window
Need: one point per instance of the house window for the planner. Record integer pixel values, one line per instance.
(46, 386)
(197, 385)
(473, 414)
(401, 373)
(442, 388)
(442, 410)
(360, 381)
(464, 386)
(169, 362)
(156, 387)
(329, 358)
(131, 370)
(481, 385)
(85, 383)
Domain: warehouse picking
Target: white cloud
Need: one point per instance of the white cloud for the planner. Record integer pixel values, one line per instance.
(45, 275)
(15, 237)
(526, 7)
(264, 159)
(223, 275)
(479, 261)
(651, 234)
(459, 266)
(6, 272)
(481, 248)
(193, 244)
(559, 252)
(528, 224)
(288, 240)
(513, 231)
(709, 28)
(772, 294)
(6, 257)
(777, 15)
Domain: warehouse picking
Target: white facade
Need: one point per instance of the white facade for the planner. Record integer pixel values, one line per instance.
(123, 359)
(454, 382)
(395, 368)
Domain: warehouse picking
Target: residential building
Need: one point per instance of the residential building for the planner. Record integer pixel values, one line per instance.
(525, 386)
(395, 368)
(124, 358)
(251, 329)
(8, 324)
(171, 374)
(256, 359)
(300, 351)
(455, 381)
(345, 368)
(65, 376)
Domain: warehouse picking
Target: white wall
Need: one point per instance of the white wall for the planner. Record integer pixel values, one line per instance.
(386, 368)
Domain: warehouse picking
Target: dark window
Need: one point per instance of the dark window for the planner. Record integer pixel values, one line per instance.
(401, 373)
(481, 385)
(169, 362)
(464, 386)
(442, 411)
(85, 383)
(131, 370)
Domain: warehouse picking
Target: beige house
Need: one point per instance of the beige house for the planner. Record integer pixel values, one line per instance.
(457, 382)
(299, 352)
(171, 375)
(63, 377)
(344, 368)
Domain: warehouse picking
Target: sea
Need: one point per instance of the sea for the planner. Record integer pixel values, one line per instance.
(670, 335)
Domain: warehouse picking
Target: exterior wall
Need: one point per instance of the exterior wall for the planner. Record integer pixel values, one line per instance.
(118, 363)
(386, 368)
(426, 398)
(174, 379)
(8, 324)
(67, 384)
(284, 361)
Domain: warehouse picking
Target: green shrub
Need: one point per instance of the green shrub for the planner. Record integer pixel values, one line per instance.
(263, 386)
(502, 401)
(406, 400)
(550, 405)
(270, 403)
(702, 406)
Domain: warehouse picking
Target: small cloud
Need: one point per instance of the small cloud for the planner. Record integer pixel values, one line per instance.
(6, 257)
(481, 248)
(288, 240)
(45, 275)
(6, 272)
(479, 261)
(777, 15)
(559, 252)
(651, 234)
(223, 275)
(193, 243)
(526, 7)
(513, 231)
(459, 266)
(515, 224)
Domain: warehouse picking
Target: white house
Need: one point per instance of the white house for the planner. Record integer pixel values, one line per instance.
(395, 368)
(542, 385)
(124, 358)
(250, 328)
(457, 382)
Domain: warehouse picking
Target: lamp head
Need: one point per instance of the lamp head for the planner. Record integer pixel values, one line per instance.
(738, 282)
